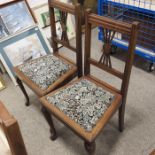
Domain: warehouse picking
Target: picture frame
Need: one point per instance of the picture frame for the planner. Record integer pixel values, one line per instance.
(2, 83)
(36, 3)
(23, 47)
(42, 16)
(41, 13)
(4, 2)
(14, 18)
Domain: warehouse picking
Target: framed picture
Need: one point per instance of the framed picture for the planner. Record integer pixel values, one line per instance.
(14, 18)
(36, 3)
(5, 1)
(23, 47)
(42, 15)
(4, 32)
(45, 18)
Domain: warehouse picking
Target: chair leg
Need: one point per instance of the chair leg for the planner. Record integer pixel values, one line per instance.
(48, 118)
(90, 147)
(27, 103)
(121, 117)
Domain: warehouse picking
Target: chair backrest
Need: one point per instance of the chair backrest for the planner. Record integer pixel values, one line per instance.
(110, 27)
(64, 10)
(12, 132)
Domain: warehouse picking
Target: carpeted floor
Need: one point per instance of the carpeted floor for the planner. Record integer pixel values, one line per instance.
(138, 137)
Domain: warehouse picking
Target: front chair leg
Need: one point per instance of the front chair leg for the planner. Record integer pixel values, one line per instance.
(90, 147)
(48, 118)
(27, 103)
(121, 117)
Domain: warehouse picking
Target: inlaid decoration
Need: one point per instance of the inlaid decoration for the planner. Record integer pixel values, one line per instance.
(107, 40)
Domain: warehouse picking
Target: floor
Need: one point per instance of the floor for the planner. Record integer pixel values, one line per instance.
(138, 137)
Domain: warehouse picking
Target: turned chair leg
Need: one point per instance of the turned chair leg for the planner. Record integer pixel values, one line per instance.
(90, 147)
(27, 103)
(48, 118)
(121, 117)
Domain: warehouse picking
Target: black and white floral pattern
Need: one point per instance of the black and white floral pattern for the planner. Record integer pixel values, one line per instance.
(84, 102)
(45, 71)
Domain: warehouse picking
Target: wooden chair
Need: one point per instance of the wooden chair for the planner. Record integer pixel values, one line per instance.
(87, 104)
(11, 141)
(49, 72)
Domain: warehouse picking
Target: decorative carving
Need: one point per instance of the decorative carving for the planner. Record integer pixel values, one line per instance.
(107, 40)
(63, 23)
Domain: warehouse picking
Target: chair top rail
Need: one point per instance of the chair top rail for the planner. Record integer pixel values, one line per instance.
(65, 7)
(119, 26)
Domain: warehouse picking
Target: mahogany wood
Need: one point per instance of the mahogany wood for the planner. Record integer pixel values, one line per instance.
(76, 11)
(12, 132)
(48, 118)
(27, 103)
(120, 95)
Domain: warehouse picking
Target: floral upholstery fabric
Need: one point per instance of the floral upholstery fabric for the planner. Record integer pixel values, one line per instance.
(84, 102)
(44, 71)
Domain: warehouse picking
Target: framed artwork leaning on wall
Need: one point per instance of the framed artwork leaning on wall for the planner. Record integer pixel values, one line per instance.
(14, 18)
(23, 47)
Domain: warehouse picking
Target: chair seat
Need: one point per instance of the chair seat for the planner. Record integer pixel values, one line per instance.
(83, 105)
(44, 72)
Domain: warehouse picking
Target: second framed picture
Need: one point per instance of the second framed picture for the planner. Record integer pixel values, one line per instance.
(41, 13)
(15, 18)
(23, 47)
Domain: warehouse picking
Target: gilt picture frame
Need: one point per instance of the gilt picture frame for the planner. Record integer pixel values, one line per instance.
(2, 83)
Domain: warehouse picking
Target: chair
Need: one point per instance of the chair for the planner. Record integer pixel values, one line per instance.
(11, 141)
(49, 72)
(87, 104)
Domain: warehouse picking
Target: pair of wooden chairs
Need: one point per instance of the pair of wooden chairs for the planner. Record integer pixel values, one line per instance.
(11, 141)
(87, 104)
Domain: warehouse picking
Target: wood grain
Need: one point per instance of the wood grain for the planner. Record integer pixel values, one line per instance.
(12, 132)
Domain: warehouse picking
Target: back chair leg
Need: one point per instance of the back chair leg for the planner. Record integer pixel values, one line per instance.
(48, 118)
(121, 117)
(90, 147)
(27, 103)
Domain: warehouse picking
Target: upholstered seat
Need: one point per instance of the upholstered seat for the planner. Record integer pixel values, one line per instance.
(44, 72)
(84, 102)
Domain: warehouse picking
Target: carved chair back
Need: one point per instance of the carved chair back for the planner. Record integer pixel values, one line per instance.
(65, 10)
(110, 27)
(12, 132)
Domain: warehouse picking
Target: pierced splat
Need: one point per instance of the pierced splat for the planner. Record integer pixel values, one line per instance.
(63, 23)
(107, 40)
